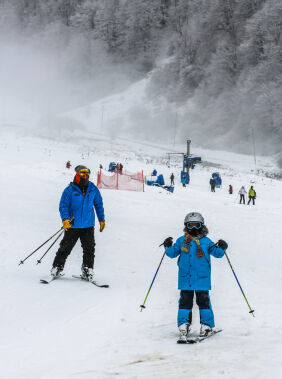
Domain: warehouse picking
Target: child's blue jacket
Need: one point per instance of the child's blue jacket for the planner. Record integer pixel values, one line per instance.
(194, 272)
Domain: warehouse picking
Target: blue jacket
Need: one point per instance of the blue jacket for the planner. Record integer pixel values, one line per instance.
(74, 204)
(194, 273)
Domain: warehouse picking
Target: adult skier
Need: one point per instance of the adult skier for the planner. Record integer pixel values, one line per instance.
(194, 276)
(252, 195)
(77, 201)
(172, 179)
(242, 192)
(212, 184)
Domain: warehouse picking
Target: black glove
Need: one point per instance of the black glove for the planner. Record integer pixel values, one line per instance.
(168, 242)
(222, 244)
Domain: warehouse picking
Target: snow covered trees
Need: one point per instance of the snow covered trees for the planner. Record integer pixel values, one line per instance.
(221, 59)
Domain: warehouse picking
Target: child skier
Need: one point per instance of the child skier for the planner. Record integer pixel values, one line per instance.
(194, 250)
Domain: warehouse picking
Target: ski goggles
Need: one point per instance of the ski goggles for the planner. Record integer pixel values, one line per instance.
(83, 172)
(194, 225)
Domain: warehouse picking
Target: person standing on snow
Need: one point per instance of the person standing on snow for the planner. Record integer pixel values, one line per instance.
(194, 250)
(252, 195)
(230, 189)
(183, 180)
(172, 179)
(212, 184)
(77, 201)
(242, 192)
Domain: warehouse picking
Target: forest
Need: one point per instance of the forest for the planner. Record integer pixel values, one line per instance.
(214, 65)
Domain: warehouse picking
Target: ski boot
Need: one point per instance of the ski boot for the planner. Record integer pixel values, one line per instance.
(87, 273)
(56, 271)
(205, 330)
(184, 330)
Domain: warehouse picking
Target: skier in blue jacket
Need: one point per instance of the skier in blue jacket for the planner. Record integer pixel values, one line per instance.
(78, 201)
(193, 251)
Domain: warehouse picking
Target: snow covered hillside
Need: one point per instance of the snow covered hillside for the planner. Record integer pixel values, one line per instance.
(73, 330)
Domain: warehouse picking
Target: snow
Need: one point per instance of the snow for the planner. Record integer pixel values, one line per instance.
(71, 329)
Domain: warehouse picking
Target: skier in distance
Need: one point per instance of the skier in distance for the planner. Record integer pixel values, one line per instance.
(194, 276)
(242, 193)
(79, 200)
(252, 195)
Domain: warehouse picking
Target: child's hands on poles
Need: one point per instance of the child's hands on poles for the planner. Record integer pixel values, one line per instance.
(222, 244)
(168, 242)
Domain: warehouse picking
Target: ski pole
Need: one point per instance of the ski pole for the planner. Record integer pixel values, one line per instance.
(39, 260)
(44, 243)
(143, 305)
(251, 310)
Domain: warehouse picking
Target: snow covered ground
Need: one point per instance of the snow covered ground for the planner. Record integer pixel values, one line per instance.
(73, 330)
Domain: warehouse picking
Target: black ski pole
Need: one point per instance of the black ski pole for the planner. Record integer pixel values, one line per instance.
(251, 310)
(143, 305)
(44, 243)
(53, 243)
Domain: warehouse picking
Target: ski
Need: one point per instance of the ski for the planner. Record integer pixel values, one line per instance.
(50, 279)
(93, 281)
(198, 339)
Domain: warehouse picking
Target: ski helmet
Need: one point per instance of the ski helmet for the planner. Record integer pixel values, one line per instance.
(194, 217)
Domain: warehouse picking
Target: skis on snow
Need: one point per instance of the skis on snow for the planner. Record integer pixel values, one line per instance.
(93, 281)
(52, 278)
(198, 339)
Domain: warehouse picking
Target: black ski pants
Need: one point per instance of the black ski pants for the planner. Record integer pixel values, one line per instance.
(242, 198)
(186, 300)
(172, 182)
(213, 188)
(251, 198)
(71, 236)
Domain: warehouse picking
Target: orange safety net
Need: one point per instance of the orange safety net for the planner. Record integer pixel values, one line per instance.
(126, 181)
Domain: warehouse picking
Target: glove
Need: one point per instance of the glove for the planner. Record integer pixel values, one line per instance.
(168, 242)
(222, 244)
(66, 224)
(102, 225)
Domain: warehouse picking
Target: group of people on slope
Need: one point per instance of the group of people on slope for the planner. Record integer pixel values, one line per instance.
(193, 249)
(252, 195)
(242, 192)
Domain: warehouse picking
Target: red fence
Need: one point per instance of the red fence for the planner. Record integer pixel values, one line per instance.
(126, 181)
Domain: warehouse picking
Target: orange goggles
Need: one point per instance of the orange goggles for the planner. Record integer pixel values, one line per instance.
(83, 172)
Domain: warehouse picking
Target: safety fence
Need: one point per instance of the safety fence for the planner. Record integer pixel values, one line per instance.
(126, 180)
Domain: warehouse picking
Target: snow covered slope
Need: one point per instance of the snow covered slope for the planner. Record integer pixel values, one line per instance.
(71, 329)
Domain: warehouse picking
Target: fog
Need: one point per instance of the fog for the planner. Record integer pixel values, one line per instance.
(50, 70)
(212, 71)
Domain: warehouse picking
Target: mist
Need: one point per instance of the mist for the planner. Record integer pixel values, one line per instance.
(47, 70)
(160, 70)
